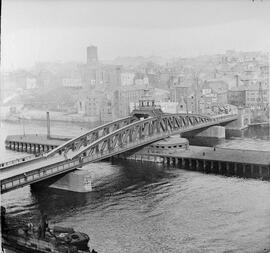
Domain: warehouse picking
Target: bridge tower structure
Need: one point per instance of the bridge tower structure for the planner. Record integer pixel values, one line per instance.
(147, 107)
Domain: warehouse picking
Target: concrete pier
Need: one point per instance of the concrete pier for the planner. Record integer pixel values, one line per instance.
(208, 137)
(235, 127)
(76, 181)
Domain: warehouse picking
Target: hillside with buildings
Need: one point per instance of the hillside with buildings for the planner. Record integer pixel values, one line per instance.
(96, 91)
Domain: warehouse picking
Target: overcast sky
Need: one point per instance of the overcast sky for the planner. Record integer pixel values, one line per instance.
(60, 30)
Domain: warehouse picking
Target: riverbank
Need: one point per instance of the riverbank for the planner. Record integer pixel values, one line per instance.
(40, 115)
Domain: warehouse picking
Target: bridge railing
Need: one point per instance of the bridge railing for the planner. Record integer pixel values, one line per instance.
(31, 177)
(224, 116)
(10, 163)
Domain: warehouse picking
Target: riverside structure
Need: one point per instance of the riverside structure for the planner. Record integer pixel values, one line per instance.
(224, 161)
(147, 124)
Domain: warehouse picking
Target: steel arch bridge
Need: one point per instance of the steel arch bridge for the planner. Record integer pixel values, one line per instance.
(143, 132)
(102, 142)
(91, 136)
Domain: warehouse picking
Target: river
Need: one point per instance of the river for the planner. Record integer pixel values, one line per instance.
(137, 207)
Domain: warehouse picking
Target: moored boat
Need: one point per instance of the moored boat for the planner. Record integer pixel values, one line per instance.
(42, 239)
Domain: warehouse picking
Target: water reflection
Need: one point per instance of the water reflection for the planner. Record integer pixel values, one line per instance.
(128, 179)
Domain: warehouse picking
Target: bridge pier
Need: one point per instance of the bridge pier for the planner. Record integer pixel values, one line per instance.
(76, 181)
(234, 128)
(207, 137)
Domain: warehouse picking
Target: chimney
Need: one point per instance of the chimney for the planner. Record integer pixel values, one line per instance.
(237, 80)
(48, 126)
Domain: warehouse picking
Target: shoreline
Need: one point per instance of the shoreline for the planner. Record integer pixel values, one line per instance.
(41, 115)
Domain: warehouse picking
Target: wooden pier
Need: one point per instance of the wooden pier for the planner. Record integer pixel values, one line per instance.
(224, 161)
(34, 143)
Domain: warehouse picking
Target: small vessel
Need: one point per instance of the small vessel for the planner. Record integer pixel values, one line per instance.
(42, 239)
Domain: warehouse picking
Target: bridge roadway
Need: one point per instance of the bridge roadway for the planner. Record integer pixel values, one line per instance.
(100, 143)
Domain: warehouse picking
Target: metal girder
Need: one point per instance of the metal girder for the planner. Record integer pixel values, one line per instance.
(93, 135)
(128, 134)
(145, 129)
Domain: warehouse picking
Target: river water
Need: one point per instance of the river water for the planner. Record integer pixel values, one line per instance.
(137, 207)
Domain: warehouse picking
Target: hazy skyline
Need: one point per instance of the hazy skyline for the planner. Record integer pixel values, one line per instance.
(60, 30)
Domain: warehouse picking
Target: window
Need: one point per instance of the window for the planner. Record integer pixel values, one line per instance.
(33, 245)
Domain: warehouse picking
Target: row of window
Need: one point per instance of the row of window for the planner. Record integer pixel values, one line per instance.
(179, 146)
(257, 99)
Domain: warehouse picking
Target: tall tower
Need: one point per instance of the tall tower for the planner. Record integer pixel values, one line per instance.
(92, 55)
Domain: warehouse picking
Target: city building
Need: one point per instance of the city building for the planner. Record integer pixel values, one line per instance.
(180, 90)
(20, 79)
(94, 73)
(169, 107)
(237, 96)
(217, 87)
(161, 95)
(125, 99)
(257, 95)
(141, 81)
(95, 104)
(92, 54)
(252, 96)
(31, 83)
(127, 78)
(72, 82)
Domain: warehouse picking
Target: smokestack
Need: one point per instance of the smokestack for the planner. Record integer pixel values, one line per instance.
(237, 80)
(48, 126)
(92, 54)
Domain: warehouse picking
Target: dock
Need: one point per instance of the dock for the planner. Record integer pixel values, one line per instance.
(34, 143)
(224, 161)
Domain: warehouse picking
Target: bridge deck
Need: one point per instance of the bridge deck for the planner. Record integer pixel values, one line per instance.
(29, 166)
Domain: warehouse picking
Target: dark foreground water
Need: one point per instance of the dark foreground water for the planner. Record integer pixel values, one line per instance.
(139, 207)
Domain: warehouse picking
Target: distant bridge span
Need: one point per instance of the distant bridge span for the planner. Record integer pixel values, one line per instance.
(102, 142)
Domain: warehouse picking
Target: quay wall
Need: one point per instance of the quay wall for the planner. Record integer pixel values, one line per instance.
(222, 161)
(34, 143)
